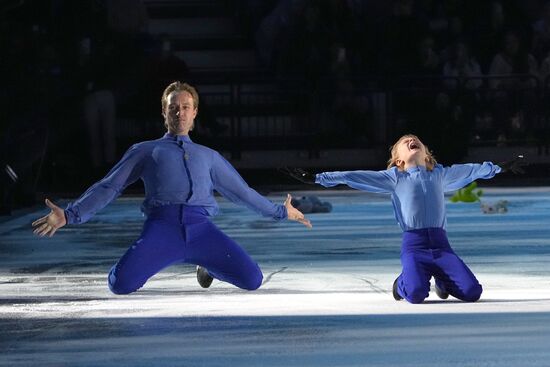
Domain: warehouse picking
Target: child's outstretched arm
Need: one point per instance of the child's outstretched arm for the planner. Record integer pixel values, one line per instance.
(460, 175)
(371, 181)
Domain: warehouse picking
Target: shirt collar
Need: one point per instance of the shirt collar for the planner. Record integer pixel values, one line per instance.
(415, 169)
(178, 138)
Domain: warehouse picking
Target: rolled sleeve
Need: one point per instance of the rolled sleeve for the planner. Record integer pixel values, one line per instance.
(371, 181)
(460, 175)
(231, 185)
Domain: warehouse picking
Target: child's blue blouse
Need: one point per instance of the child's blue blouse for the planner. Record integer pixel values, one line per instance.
(417, 194)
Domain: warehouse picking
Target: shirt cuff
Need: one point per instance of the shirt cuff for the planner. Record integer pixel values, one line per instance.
(70, 218)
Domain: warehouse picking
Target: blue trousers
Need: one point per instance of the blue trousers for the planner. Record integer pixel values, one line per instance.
(175, 234)
(425, 253)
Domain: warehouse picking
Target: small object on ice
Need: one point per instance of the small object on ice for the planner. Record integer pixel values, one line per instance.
(311, 204)
(499, 207)
(467, 194)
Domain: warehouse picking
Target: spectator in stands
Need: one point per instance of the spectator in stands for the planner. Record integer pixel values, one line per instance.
(461, 68)
(251, 13)
(488, 29)
(127, 18)
(428, 61)
(340, 21)
(544, 72)
(541, 34)
(460, 71)
(513, 59)
(514, 98)
(307, 50)
(128, 24)
(179, 178)
(399, 39)
(95, 75)
(346, 107)
(443, 20)
(275, 29)
(542, 124)
(425, 106)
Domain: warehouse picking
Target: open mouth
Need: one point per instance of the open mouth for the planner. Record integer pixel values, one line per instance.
(413, 145)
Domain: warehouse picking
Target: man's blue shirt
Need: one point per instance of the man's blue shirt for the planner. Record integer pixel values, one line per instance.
(174, 170)
(417, 194)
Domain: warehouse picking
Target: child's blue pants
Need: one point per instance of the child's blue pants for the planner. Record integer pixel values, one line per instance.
(426, 253)
(177, 233)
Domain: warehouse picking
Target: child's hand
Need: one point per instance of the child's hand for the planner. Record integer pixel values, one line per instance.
(299, 174)
(514, 165)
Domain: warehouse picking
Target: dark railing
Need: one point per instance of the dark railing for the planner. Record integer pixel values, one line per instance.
(258, 111)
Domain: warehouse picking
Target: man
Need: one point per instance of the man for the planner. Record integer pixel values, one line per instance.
(179, 178)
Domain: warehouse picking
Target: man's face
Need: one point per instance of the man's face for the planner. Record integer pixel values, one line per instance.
(411, 150)
(180, 112)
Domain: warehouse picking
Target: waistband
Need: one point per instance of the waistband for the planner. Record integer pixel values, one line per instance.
(427, 231)
(425, 238)
(176, 212)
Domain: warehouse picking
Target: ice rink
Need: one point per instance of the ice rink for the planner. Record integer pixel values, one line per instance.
(325, 301)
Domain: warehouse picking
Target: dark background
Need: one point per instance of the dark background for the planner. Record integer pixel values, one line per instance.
(325, 85)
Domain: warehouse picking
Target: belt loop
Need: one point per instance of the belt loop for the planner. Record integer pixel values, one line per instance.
(180, 213)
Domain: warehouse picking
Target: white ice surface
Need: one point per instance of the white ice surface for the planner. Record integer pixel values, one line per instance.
(326, 298)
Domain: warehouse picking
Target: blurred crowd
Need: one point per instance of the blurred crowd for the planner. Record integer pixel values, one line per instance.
(457, 71)
(478, 70)
(68, 68)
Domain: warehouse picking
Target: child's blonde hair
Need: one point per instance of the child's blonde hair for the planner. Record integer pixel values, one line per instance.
(430, 160)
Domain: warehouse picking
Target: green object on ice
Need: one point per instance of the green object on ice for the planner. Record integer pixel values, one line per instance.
(467, 194)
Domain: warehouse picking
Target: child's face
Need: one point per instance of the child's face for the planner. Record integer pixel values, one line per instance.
(411, 151)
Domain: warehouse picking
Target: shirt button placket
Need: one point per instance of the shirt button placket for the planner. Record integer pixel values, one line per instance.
(185, 159)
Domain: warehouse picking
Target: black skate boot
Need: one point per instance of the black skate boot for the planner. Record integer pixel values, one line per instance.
(396, 295)
(440, 292)
(204, 279)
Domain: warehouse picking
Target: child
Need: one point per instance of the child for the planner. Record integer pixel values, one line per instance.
(417, 185)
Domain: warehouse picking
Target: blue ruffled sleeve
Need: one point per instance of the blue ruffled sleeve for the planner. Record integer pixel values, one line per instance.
(459, 175)
(227, 181)
(99, 195)
(371, 181)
